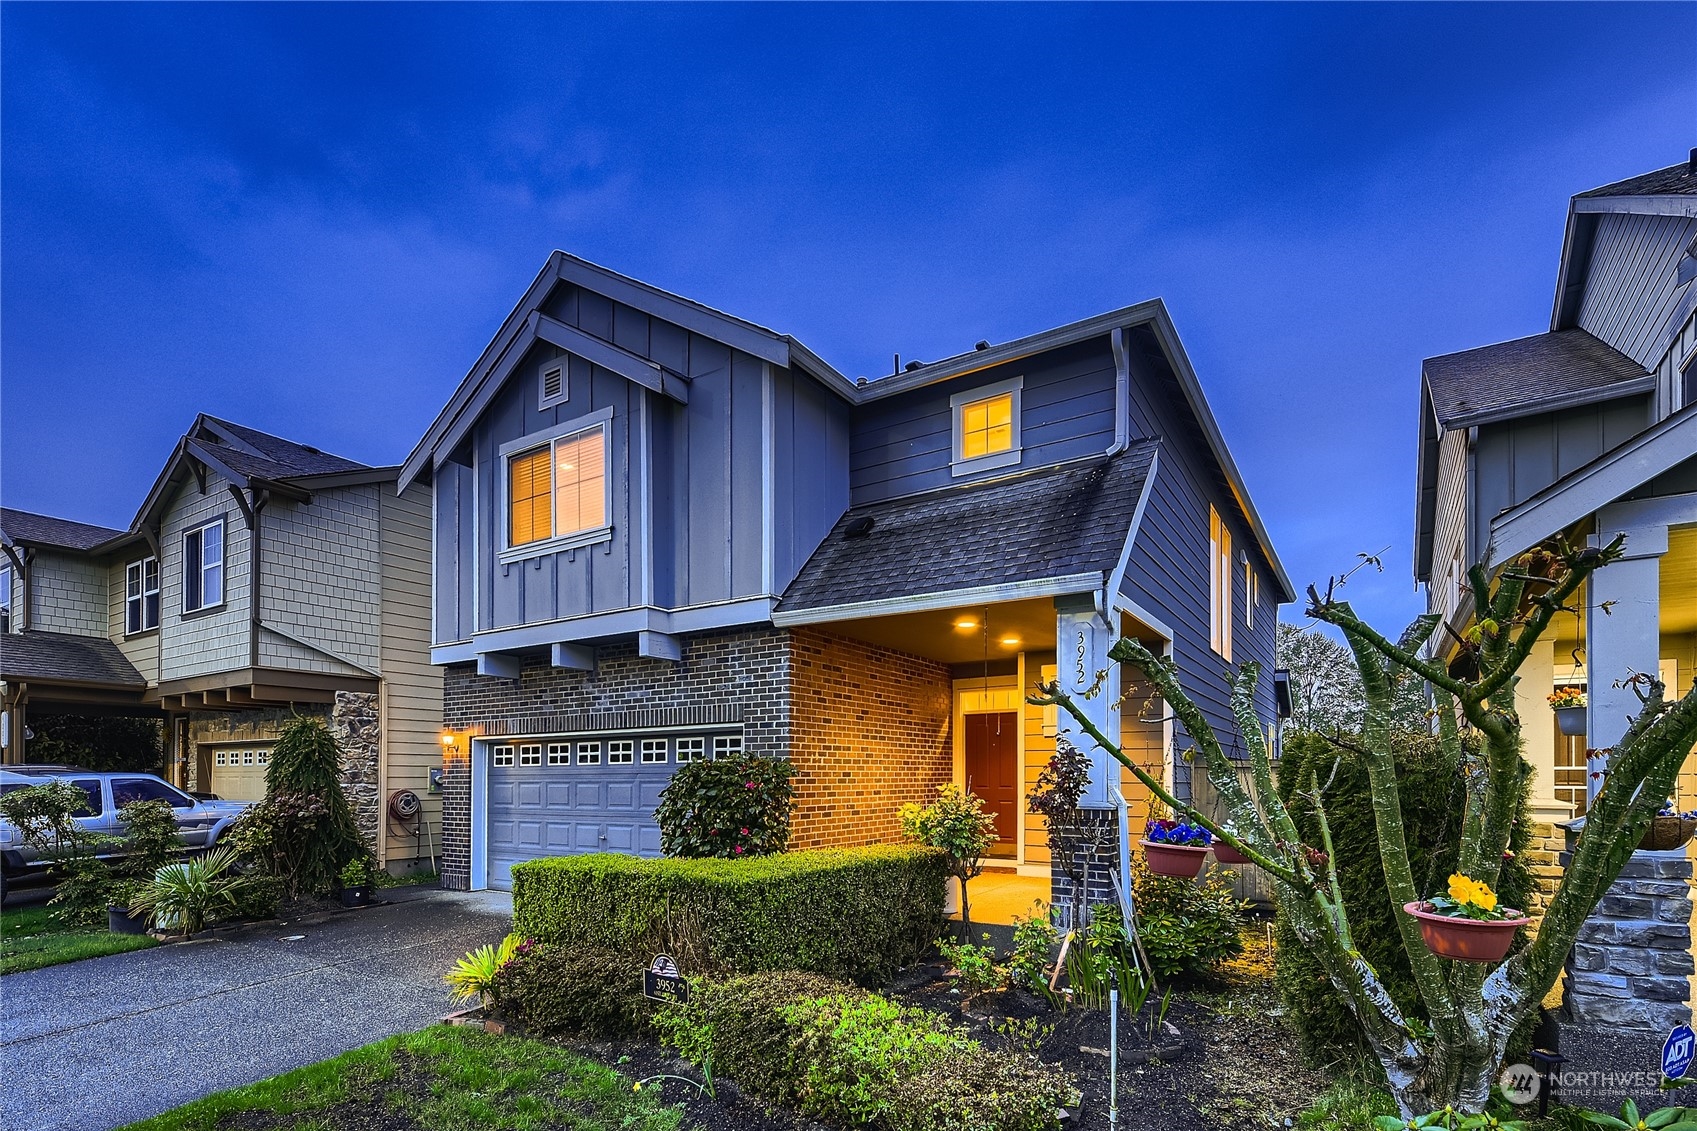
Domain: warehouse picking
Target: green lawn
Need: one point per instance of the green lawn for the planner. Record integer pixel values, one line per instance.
(445, 1078)
(30, 939)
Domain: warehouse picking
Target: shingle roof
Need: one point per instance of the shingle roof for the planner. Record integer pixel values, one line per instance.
(1529, 375)
(33, 656)
(285, 457)
(44, 530)
(1049, 523)
(1675, 180)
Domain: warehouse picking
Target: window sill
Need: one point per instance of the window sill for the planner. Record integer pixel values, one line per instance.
(576, 541)
(154, 631)
(972, 466)
(203, 611)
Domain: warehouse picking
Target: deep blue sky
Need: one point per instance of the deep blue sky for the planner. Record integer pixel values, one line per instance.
(311, 218)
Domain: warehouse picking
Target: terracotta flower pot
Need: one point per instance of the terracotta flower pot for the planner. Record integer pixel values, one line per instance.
(1226, 854)
(1667, 833)
(1570, 720)
(1182, 860)
(1466, 940)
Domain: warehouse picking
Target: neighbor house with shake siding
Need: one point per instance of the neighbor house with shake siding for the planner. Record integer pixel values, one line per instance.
(663, 533)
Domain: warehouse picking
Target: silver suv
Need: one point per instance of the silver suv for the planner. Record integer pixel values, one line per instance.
(201, 822)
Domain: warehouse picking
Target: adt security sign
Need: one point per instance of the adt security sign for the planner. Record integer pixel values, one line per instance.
(1678, 1052)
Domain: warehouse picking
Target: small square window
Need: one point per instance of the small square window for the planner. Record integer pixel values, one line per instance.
(986, 426)
(218, 759)
(265, 757)
(530, 755)
(589, 753)
(619, 753)
(501, 756)
(653, 751)
(692, 750)
(559, 753)
(727, 746)
(247, 757)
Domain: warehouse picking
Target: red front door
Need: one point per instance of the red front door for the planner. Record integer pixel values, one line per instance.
(992, 772)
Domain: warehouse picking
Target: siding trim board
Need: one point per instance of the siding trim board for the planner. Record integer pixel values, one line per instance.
(1068, 585)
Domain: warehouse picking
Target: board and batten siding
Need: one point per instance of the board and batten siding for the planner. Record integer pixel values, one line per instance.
(905, 443)
(810, 458)
(1450, 522)
(412, 686)
(319, 581)
(1630, 287)
(1168, 569)
(141, 649)
(67, 593)
(1515, 459)
(214, 640)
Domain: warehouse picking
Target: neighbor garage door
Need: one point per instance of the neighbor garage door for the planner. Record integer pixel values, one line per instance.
(568, 794)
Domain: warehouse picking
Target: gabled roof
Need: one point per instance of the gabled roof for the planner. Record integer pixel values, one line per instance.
(284, 458)
(1530, 375)
(61, 533)
(1675, 180)
(59, 657)
(1072, 520)
(1666, 192)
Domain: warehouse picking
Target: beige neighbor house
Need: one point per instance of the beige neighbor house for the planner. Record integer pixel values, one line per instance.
(261, 579)
(1585, 432)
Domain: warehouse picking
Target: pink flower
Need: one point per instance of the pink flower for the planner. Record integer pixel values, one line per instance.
(739, 849)
(751, 785)
(745, 832)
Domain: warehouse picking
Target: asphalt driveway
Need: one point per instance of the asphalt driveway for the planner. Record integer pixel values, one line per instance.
(100, 1043)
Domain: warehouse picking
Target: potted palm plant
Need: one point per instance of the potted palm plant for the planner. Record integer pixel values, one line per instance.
(184, 896)
(1466, 924)
(1175, 848)
(1569, 704)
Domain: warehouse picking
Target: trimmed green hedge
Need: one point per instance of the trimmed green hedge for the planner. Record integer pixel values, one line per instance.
(848, 912)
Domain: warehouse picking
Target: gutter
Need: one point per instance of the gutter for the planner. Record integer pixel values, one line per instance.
(1122, 393)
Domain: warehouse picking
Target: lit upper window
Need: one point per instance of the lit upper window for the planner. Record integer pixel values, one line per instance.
(559, 488)
(1219, 584)
(986, 426)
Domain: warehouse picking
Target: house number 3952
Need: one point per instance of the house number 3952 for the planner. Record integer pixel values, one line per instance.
(1082, 650)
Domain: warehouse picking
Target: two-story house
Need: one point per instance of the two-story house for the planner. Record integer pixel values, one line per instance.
(1586, 431)
(664, 533)
(260, 579)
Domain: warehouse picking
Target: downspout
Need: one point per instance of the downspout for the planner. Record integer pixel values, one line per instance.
(1122, 393)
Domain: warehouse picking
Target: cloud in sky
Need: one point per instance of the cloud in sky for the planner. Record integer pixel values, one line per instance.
(311, 218)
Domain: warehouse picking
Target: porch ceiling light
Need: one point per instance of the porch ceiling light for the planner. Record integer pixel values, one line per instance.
(1010, 642)
(965, 624)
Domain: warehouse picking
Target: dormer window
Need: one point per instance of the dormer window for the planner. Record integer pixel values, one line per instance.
(556, 487)
(986, 426)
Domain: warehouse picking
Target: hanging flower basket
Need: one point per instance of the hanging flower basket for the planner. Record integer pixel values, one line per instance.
(1182, 860)
(1466, 940)
(1667, 833)
(1226, 854)
(1569, 704)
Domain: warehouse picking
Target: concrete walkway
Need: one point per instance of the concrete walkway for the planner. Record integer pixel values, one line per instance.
(100, 1043)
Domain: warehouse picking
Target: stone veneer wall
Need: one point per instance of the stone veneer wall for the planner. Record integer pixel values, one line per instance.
(1631, 961)
(870, 730)
(735, 674)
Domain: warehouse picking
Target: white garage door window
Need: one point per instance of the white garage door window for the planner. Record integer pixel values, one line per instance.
(567, 794)
(238, 773)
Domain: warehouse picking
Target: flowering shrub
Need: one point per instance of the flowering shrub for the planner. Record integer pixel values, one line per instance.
(956, 823)
(729, 808)
(1467, 899)
(1568, 697)
(1168, 831)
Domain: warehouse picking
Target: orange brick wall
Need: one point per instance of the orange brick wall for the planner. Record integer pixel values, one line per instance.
(869, 730)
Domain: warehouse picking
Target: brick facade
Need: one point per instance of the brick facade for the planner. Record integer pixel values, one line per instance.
(866, 727)
(870, 730)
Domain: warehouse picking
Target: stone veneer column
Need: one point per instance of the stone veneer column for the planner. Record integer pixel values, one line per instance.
(356, 726)
(1631, 962)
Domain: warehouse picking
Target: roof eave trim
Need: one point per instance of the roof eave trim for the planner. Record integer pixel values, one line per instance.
(1028, 346)
(1657, 204)
(1064, 585)
(1192, 387)
(1595, 395)
(1595, 485)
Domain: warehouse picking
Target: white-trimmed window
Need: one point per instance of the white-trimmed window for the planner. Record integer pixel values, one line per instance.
(5, 598)
(1219, 585)
(501, 756)
(589, 753)
(727, 746)
(141, 596)
(1251, 593)
(203, 566)
(530, 754)
(654, 751)
(692, 750)
(986, 426)
(559, 753)
(619, 752)
(557, 490)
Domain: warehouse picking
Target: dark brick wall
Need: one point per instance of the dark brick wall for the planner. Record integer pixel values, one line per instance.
(1099, 870)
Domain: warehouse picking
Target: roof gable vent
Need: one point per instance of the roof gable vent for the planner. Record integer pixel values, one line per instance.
(552, 388)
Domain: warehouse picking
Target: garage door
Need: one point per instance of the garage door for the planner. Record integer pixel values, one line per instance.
(568, 794)
(238, 773)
